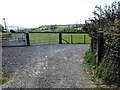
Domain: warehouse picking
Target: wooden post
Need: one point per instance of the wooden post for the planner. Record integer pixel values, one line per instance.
(99, 48)
(97, 51)
(91, 44)
(71, 39)
(27, 38)
(84, 39)
(60, 38)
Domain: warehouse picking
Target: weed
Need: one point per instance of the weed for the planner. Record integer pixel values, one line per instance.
(4, 77)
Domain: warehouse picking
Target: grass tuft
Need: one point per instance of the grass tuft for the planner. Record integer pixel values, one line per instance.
(4, 77)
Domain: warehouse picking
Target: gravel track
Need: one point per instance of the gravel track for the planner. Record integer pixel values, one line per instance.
(46, 66)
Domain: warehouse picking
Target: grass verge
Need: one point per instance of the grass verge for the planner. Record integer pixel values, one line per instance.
(92, 68)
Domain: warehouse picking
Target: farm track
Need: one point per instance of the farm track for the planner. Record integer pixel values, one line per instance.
(46, 66)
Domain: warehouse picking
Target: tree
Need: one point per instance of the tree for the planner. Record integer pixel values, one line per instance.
(12, 31)
(1, 28)
(53, 27)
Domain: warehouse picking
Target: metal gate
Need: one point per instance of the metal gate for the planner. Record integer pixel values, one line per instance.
(14, 39)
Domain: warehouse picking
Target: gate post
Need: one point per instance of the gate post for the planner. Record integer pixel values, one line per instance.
(97, 51)
(71, 39)
(91, 44)
(84, 39)
(60, 38)
(99, 48)
(27, 38)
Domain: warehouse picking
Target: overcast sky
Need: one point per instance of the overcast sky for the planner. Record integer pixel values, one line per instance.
(33, 13)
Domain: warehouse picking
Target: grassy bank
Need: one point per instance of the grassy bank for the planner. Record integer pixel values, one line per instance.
(93, 69)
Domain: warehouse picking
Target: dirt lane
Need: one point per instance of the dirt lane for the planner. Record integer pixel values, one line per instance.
(52, 66)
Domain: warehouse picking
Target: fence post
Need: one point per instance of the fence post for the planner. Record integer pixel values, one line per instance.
(27, 38)
(99, 48)
(60, 38)
(71, 39)
(84, 39)
(91, 44)
(97, 51)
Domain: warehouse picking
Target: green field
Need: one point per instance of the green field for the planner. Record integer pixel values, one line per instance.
(43, 37)
(76, 38)
(50, 37)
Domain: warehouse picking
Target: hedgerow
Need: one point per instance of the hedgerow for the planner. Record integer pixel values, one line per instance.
(107, 21)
